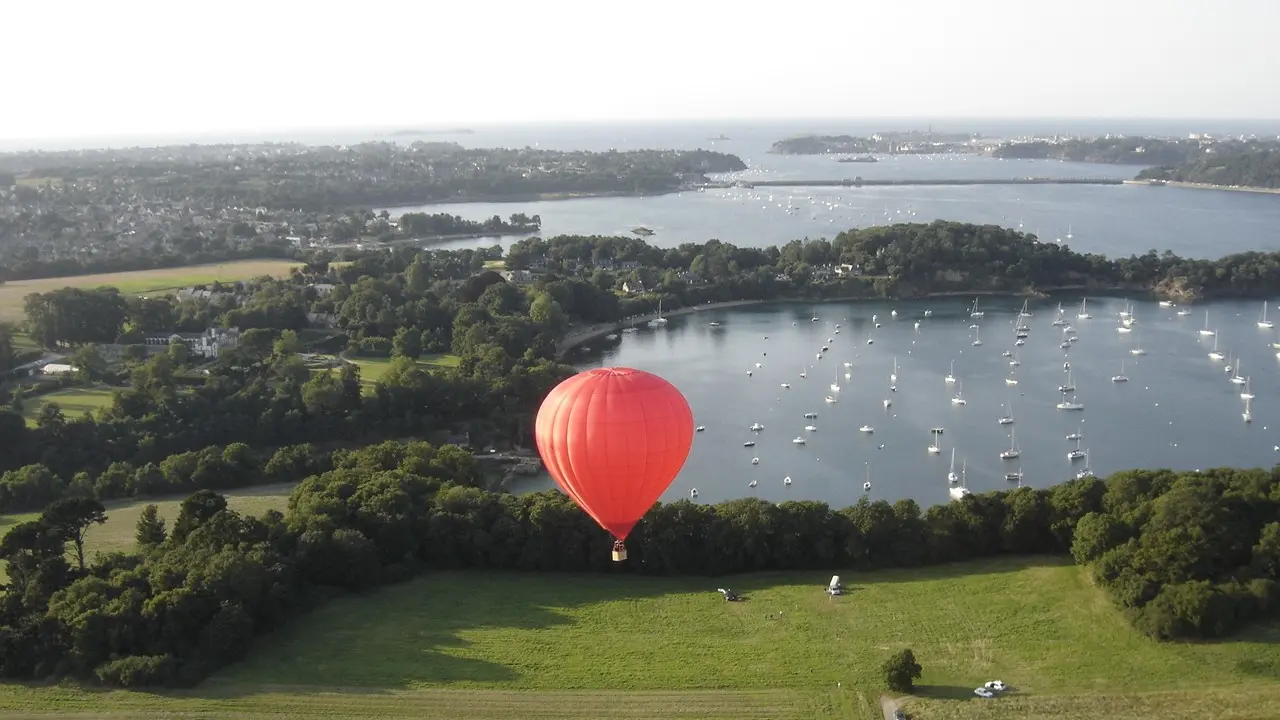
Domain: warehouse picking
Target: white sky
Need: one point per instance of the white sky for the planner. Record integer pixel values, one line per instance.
(135, 67)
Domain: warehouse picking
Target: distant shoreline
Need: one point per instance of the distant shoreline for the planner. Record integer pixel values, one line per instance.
(1203, 186)
(397, 210)
(581, 336)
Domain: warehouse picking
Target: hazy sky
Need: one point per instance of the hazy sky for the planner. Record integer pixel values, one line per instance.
(133, 67)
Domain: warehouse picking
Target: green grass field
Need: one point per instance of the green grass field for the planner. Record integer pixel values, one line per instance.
(141, 281)
(73, 401)
(372, 369)
(483, 645)
(116, 534)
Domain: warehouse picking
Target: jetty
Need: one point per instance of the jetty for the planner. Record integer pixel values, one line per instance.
(907, 182)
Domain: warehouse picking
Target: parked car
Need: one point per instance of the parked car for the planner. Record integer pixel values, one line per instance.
(983, 693)
(996, 685)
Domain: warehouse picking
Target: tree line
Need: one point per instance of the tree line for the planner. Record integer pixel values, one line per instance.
(1186, 554)
(1254, 168)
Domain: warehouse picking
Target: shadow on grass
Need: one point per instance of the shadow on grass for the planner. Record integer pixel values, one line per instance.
(944, 692)
(414, 634)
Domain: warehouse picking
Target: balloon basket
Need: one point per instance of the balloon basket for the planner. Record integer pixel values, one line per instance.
(619, 552)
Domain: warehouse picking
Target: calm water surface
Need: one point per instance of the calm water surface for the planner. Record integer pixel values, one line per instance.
(1177, 410)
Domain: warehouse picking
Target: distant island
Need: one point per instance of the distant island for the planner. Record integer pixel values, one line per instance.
(858, 159)
(454, 131)
(719, 137)
(908, 142)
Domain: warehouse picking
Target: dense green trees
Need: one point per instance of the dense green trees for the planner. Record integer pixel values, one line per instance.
(1244, 167)
(1190, 554)
(1117, 150)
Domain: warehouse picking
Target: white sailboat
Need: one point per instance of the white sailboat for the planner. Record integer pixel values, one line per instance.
(974, 311)
(1059, 321)
(959, 492)
(1087, 472)
(1007, 418)
(934, 448)
(977, 337)
(835, 386)
(1084, 309)
(1248, 410)
(1077, 435)
(959, 398)
(952, 477)
(1247, 394)
(1071, 404)
(866, 486)
(893, 376)
(1121, 377)
(1205, 330)
(1214, 354)
(1013, 451)
(1264, 322)
(659, 320)
(1236, 377)
(1077, 453)
(951, 374)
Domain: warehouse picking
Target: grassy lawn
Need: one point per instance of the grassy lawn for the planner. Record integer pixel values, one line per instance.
(73, 401)
(496, 265)
(116, 534)
(485, 645)
(141, 281)
(372, 369)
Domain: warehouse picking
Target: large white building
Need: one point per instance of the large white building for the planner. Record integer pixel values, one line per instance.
(207, 344)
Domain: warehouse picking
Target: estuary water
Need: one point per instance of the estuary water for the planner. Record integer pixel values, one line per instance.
(1178, 408)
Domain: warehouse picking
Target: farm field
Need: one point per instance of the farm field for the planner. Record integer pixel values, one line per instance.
(141, 281)
(469, 645)
(73, 401)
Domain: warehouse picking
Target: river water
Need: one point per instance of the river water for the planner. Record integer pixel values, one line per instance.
(1178, 408)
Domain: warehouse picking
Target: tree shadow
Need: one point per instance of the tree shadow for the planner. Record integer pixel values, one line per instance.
(414, 634)
(945, 692)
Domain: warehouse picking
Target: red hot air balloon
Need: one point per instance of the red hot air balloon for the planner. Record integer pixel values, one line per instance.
(614, 439)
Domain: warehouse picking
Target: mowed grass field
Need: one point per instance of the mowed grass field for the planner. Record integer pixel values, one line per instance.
(372, 369)
(469, 645)
(73, 401)
(141, 281)
(116, 534)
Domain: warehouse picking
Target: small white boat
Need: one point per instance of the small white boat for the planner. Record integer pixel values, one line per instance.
(811, 428)
(1014, 476)
(951, 374)
(977, 338)
(1264, 322)
(1205, 330)
(786, 386)
(1165, 304)
(810, 415)
(786, 480)
(1070, 404)
(1084, 310)
(756, 427)
(700, 428)
(693, 493)
(830, 398)
(887, 402)
(1248, 411)
(866, 486)
(1121, 377)
(1246, 394)
(1013, 451)
(797, 440)
(753, 483)
(755, 461)
(1137, 351)
(1214, 354)
(959, 398)
(1010, 381)
(866, 429)
(871, 341)
(749, 443)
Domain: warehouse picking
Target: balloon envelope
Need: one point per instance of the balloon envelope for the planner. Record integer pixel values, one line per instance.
(614, 439)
